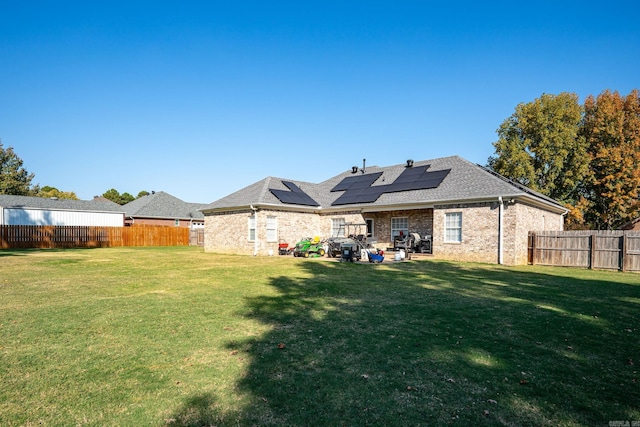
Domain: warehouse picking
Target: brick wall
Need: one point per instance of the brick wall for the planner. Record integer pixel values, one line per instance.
(480, 231)
(420, 221)
(229, 232)
(529, 218)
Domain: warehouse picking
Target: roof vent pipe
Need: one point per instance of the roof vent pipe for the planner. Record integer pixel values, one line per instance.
(409, 163)
(354, 169)
(363, 163)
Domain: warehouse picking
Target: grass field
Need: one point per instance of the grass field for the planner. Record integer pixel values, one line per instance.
(178, 337)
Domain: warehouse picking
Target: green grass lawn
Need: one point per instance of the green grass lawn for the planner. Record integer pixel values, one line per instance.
(179, 337)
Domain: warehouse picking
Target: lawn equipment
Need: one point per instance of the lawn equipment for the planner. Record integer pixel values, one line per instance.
(350, 251)
(375, 256)
(356, 246)
(309, 247)
(334, 246)
(283, 248)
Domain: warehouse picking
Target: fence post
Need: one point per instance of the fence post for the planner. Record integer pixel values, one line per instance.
(592, 252)
(532, 248)
(623, 256)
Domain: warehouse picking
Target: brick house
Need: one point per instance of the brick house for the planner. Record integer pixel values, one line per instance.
(468, 212)
(160, 208)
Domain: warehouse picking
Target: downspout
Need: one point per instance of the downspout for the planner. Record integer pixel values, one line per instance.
(500, 229)
(255, 239)
(566, 211)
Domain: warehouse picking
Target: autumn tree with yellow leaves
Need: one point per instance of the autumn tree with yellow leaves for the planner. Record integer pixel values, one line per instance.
(585, 156)
(612, 130)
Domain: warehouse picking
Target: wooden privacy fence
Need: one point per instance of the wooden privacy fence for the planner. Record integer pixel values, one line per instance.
(50, 236)
(611, 250)
(196, 237)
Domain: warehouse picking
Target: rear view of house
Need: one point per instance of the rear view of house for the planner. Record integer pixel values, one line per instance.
(463, 210)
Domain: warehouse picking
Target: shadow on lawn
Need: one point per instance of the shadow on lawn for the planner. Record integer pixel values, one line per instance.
(197, 411)
(433, 343)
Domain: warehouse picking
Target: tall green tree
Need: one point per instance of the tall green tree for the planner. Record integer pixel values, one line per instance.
(49, 192)
(115, 196)
(540, 146)
(121, 199)
(14, 178)
(612, 131)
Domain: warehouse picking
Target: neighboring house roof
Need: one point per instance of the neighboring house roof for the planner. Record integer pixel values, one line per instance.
(163, 205)
(28, 202)
(425, 183)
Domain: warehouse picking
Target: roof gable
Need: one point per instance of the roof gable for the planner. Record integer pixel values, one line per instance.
(162, 205)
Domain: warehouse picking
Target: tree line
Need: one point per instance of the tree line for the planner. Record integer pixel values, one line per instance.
(586, 156)
(16, 180)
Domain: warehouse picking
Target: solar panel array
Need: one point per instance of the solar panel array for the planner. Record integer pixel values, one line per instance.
(359, 189)
(295, 196)
(357, 182)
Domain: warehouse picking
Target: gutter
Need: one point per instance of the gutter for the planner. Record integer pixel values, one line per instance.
(275, 207)
(520, 197)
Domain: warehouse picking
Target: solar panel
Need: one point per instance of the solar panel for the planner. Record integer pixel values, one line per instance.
(417, 179)
(367, 195)
(358, 181)
(358, 189)
(295, 195)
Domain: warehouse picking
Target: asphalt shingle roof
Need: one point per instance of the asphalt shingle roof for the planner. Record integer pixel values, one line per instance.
(465, 181)
(96, 205)
(163, 205)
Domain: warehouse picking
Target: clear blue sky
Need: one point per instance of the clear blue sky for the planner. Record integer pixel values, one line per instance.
(200, 99)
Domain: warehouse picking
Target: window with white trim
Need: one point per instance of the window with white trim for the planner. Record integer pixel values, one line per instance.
(453, 227)
(272, 229)
(370, 228)
(252, 228)
(399, 226)
(337, 227)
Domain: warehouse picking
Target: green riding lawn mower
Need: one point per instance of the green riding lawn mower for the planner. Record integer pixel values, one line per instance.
(310, 247)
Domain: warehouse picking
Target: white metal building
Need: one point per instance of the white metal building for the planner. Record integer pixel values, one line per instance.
(24, 210)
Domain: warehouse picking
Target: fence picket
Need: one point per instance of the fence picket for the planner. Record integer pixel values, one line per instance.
(49, 237)
(613, 250)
